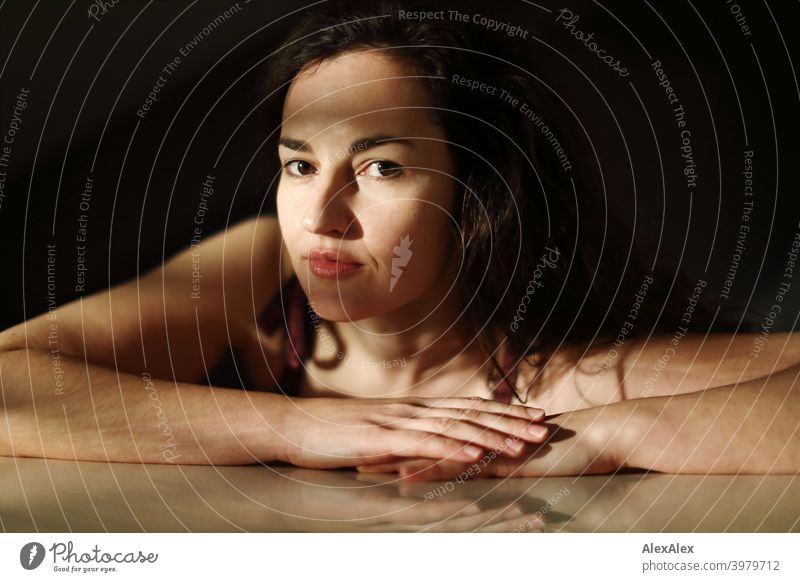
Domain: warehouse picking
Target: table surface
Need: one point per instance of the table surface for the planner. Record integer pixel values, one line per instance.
(68, 496)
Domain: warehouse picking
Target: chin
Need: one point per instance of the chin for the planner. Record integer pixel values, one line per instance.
(335, 304)
(345, 304)
(335, 309)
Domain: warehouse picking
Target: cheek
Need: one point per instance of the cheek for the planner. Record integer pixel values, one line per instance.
(281, 201)
(290, 221)
(287, 216)
(412, 239)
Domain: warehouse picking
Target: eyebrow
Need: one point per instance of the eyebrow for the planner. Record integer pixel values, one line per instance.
(358, 145)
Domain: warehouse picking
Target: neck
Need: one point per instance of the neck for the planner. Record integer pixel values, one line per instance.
(418, 341)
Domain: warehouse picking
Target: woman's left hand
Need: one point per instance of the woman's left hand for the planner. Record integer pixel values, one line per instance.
(582, 442)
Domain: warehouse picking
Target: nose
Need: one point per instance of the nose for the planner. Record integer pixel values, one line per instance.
(329, 210)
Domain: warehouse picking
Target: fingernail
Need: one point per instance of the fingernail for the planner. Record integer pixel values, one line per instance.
(535, 412)
(537, 430)
(516, 445)
(511, 513)
(472, 450)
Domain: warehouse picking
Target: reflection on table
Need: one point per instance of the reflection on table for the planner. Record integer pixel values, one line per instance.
(64, 496)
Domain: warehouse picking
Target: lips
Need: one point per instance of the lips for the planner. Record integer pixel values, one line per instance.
(328, 264)
(331, 255)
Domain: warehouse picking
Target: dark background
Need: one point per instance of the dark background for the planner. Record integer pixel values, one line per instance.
(88, 78)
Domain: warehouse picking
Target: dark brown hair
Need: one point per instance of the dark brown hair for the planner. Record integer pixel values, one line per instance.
(517, 200)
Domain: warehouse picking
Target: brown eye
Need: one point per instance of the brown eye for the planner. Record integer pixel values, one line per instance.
(382, 169)
(298, 168)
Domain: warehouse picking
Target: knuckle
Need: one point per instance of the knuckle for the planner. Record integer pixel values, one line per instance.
(504, 444)
(443, 423)
(402, 409)
(471, 413)
(520, 426)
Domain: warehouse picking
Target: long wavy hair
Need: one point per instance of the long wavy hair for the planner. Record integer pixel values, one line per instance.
(546, 267)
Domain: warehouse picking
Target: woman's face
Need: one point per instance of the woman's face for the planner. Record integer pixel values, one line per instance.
(366, 190)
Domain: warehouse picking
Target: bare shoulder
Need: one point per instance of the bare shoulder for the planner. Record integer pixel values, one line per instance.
(261, 265)
(572, 378)
(249, 260)
(609, 371)
(177, 317)
(538, 379)
(267, 244)
(252, 245)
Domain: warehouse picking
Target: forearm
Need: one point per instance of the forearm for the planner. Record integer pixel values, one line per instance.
(664, 366)
(751, 427)
(94, 413)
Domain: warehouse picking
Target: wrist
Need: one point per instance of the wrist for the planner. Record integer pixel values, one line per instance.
(607, 433)
(276, 441)
(629, 423)
(599, 434)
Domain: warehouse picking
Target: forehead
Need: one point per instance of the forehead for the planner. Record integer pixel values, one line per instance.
(367, 89)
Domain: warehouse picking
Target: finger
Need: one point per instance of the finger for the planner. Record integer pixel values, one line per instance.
(410, 468)
(416, 444)
(404, 466)
(426, 470)
(378, 478)
(379, 468)
(469, 432)
(375, 460)
(526, 430)
(486, 405)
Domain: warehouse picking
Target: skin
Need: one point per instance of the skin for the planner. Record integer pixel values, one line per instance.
(364, 200)
(715, 409)
(746, 428)
(123, 384)
(331, 194)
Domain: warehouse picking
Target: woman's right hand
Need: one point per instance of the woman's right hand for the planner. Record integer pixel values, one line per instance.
(328, 433)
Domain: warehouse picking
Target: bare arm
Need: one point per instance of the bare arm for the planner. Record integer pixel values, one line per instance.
(168, 321)
(661, 366)
(109, 376)
(101, 415)
(665, 365)
(91, 395)
(749, 427)
(104, 416)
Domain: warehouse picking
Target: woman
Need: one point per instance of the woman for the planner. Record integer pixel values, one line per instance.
(396, 136)
(424, 241)
(114, 376)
